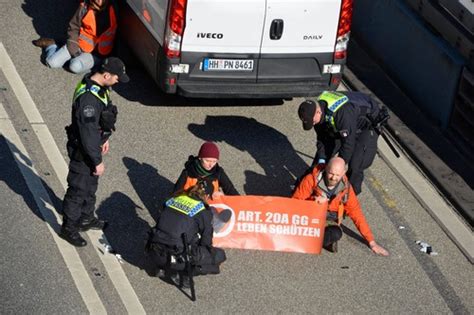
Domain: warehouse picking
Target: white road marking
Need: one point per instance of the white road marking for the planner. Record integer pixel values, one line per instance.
(113, 267)
(71, 257)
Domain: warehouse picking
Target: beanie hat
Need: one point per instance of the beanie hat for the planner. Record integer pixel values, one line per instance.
(209, 150)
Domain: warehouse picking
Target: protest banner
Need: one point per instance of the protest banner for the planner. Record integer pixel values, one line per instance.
(271, 223)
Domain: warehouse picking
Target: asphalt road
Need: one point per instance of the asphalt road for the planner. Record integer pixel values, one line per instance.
(263, 149)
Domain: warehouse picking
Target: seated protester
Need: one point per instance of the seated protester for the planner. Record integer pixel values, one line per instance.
(186, 213)
(330, 184)
(91, 34)
(205, 167)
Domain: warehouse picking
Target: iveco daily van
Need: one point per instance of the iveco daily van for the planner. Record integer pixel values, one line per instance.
(239, 48)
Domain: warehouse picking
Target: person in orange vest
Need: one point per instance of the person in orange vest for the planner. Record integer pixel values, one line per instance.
(91, 35)
(330, 184)
(205, 169)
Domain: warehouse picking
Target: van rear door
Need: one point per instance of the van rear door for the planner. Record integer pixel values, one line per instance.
(222, 38)
(298, 37)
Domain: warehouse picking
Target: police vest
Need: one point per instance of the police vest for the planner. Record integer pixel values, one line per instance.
(82, 88)
(334, 101)
(185, 205)
(88, 37)
(191, 181)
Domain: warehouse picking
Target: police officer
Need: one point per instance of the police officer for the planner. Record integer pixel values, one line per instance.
(344, 126)
(186, 213)
(93, 120)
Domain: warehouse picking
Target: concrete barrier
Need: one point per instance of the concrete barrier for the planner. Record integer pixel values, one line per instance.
(423, 64)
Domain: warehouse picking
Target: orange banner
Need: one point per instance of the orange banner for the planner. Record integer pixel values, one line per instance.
(271, 223)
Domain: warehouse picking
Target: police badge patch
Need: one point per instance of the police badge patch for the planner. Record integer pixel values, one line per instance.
(88, 111)
(344, 133)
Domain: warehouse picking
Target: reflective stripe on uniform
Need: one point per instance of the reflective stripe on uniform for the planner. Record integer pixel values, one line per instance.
(334, 101)
(185, 205)
(81, 88)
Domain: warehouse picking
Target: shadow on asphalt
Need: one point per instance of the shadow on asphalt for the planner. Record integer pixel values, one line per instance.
(50, 18)
(278, 158)
(127, 231)
(8, 151)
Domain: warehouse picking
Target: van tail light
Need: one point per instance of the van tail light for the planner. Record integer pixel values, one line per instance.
(175, 28)
(343, 30)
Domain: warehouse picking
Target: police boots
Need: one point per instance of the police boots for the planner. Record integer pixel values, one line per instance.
(72, 237)
(92, 224)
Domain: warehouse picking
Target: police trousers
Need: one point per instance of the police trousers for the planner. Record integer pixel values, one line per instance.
(362, 158)
(205, 260)
(79, 201)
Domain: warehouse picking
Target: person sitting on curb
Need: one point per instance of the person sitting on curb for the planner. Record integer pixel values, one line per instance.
(187, 212)
(205, 168)
(330, 184)
(91, 34)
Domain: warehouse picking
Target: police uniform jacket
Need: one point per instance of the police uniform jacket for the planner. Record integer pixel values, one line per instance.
(86, 149)
(349, 120)
(172, 224)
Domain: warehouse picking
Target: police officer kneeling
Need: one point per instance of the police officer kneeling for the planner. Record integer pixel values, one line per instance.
(187, 213)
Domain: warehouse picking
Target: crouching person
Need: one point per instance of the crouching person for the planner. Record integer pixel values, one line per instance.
(185, 218)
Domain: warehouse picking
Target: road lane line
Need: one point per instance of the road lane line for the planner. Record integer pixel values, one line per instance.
(71, 257)
(113, 267)
(428, 196)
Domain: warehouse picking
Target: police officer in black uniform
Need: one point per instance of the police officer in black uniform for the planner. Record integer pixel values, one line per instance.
(93, 120)
(186, 213)
(344, 126)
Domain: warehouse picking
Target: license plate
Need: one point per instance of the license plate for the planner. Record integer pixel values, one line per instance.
(227, 65)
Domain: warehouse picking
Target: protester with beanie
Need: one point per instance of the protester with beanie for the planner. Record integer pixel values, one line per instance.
(205, 168)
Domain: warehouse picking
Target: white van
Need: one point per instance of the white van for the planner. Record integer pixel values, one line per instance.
(239, 48)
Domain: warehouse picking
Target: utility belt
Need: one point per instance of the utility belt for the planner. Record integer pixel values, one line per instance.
(174, 257)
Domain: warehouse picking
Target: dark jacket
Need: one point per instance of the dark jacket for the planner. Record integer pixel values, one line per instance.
(217, 173)
(172, 224)
(349, 120)
(86, 129)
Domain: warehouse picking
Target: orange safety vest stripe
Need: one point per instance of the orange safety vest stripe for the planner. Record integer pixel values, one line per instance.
(191, 181)
(88, 37)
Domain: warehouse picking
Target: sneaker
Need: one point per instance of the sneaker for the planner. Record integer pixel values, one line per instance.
(73, 238)
(92, 224)
(43, 42)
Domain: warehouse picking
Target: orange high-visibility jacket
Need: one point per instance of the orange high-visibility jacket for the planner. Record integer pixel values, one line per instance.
(308, 190)
(88, 37)
(191, 181)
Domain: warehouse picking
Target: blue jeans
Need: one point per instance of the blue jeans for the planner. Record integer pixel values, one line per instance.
(56, 58)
